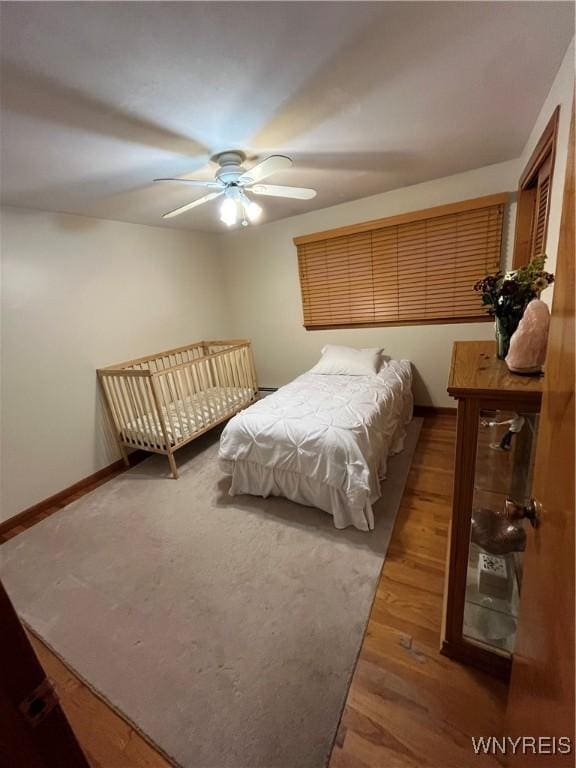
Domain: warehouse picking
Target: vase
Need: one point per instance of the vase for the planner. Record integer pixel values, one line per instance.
(502, 338)
(504, 328)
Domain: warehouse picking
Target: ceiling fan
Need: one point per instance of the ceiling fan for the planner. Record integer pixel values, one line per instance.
(232, 181)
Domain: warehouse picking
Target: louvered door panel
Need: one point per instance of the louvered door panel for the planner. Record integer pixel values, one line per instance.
(542, 203)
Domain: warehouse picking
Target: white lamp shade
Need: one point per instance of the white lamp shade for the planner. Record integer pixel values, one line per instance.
(228, 211)
(253, 211)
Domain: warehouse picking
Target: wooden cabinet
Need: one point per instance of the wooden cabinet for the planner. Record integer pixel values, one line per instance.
(496, 437)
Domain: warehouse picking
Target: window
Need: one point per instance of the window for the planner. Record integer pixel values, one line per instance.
(534, 197)
(418, 267)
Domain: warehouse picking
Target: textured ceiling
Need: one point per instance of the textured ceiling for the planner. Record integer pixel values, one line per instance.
(99, 98)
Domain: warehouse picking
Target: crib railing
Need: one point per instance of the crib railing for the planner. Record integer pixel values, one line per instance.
(161, 402)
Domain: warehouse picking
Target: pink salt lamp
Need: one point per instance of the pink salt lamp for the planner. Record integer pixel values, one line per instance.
(528, 344)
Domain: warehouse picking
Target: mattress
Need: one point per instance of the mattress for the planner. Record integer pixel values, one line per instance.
(185, 418)
(322, 440)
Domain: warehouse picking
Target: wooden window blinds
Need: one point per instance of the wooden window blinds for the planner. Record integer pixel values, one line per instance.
(413, 268)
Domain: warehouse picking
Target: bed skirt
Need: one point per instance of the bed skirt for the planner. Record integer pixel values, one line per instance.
(257, 480)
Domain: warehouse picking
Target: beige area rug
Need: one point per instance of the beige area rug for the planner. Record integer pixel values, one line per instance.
(225, 629)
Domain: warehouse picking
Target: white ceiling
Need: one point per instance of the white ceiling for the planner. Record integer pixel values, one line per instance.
(99, 98)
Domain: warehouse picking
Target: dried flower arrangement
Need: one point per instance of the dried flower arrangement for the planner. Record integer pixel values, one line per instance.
(507, 294)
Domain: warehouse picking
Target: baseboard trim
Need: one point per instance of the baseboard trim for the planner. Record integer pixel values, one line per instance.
(433, 410)
(63, 497)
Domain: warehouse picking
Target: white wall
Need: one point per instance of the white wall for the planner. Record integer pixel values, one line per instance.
(79, 293)
(264, 294)
(561, 93)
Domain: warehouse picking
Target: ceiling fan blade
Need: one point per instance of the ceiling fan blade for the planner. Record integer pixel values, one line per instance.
(299, 193)
(197, 183)
(193, 204)
(264, 169)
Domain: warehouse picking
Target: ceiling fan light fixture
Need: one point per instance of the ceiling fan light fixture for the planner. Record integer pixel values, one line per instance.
(231, 180)
(253, 211)
(228, 211)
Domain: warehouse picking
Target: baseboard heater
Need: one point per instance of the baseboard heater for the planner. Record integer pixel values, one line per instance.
(266, 390)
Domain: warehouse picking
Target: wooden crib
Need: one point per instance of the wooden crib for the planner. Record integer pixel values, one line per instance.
(161, 402)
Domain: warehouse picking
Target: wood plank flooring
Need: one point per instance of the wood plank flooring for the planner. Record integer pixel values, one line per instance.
(408, 707)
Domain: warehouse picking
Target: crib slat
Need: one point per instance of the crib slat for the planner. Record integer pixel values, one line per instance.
(118, 407)
(134, 417)
(220, 393)
(229, 360)
(166, 411)
(109, 398)
(239, 371)
(192, 400)
(228, 394)
(220, 364)
(147, 414)
(156, 415)
(212, 368)
(247, 376)
(137, 411)
(233, 394)
(191, 414)
(242, 374)
(208, 380)
(195, 375)
(178, 402)
(250, 354)
(112, 416)
(157, 401)
(124, 409)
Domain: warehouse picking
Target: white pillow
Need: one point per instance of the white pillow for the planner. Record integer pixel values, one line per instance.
(348, 361)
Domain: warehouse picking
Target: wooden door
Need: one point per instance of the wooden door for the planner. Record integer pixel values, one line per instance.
(34, 732)
(541, 697)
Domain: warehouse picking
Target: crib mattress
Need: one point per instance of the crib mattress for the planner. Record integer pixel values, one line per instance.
(185, 418)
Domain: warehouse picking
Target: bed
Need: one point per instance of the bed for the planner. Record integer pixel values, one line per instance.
(322, 441)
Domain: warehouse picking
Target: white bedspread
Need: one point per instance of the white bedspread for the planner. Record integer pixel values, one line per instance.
(322, 440)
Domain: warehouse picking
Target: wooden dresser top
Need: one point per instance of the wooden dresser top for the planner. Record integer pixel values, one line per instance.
(476, 372)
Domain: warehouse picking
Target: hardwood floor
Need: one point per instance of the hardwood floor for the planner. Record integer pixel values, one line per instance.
(408, 707)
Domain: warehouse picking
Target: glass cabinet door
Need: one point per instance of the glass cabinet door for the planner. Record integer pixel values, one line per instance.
(502, 487)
